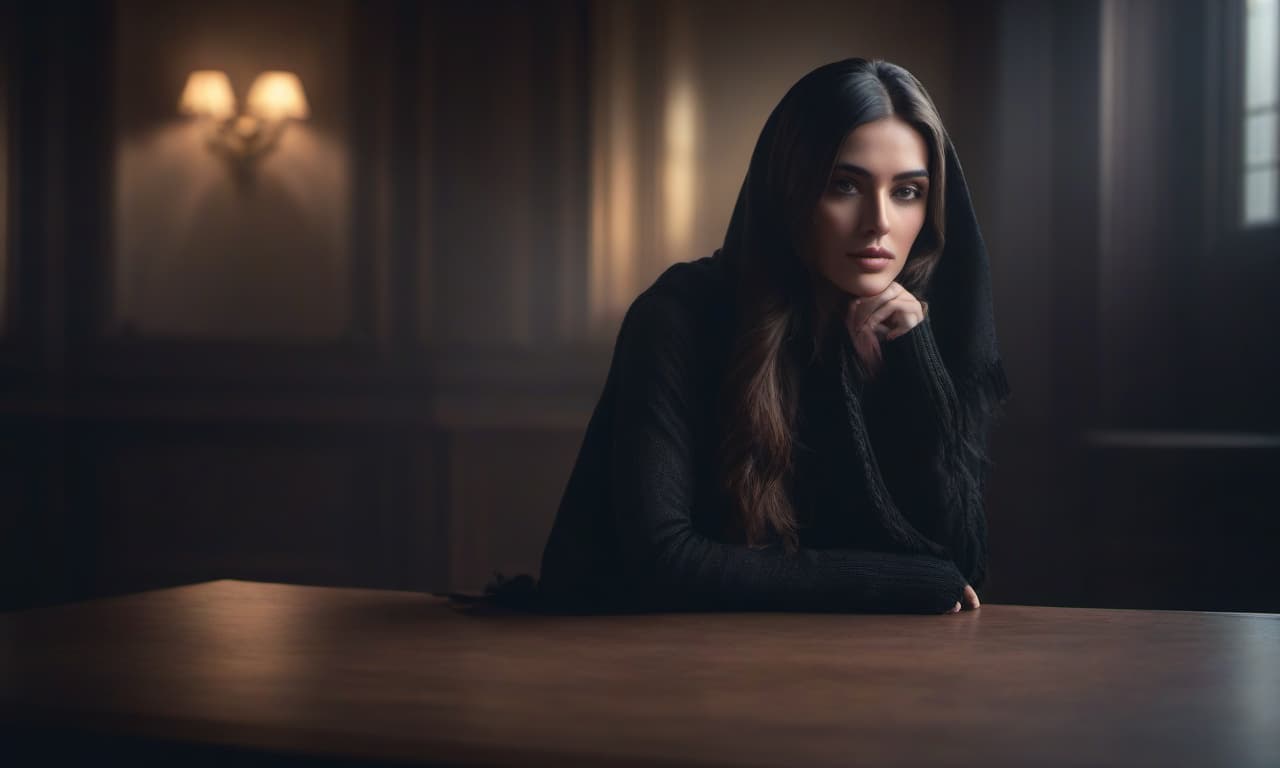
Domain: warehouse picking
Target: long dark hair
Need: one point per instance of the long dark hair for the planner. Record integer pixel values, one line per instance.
(790, 167)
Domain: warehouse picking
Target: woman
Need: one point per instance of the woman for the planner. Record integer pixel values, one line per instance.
(788, 424)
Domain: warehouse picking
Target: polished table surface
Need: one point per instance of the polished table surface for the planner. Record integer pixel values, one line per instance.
(354, 673)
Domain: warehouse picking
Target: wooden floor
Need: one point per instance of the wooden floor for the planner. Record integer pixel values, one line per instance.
(249, 672)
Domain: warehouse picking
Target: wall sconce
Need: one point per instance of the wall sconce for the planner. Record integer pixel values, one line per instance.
(274, 98)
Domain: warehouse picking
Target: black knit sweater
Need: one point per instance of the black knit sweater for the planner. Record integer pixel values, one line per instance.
(888, 501)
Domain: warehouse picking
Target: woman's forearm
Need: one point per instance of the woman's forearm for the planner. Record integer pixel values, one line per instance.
(932, 459)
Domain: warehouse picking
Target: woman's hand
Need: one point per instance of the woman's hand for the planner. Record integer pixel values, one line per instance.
(970, 600)
(884, 316)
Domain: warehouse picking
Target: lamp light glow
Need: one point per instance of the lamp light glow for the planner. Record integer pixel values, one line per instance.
(244, 138)
(276, 95)
(208, 94)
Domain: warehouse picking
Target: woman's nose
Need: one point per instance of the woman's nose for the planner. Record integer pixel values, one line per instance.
(876, 216)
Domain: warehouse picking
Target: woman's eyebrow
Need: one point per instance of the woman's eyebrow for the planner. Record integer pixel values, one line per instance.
(860, 171)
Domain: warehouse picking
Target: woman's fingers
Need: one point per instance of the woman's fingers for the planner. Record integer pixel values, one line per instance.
(863, 307)
(890, 313)
(909, 315)
(969, 601)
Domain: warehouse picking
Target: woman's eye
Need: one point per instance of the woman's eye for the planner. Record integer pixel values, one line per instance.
(910, 192)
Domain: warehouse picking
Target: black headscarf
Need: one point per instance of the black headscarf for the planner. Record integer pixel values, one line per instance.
(960, 302)
(959, 293)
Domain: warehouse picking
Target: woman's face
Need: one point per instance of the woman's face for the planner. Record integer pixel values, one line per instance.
(876, 198)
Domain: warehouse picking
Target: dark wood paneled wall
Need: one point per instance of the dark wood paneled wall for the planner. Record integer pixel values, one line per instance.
(135, 458)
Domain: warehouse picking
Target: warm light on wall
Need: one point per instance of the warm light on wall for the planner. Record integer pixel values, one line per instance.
(208, 93)
(274, 98)
(678, 172)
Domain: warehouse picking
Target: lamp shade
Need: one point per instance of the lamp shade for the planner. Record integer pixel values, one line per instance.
(208, 94)
(275, 95)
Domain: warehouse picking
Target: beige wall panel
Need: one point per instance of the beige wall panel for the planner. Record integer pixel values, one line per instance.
(199, 252)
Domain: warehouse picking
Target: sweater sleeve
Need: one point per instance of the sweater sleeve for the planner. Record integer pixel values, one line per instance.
(932, 461)
(653, 487)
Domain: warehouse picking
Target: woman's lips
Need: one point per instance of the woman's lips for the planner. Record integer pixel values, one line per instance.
(873, 262)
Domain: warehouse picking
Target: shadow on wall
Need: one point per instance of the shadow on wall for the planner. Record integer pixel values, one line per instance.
(202, 252)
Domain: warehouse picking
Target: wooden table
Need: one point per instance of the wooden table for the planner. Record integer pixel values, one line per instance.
(275, 670)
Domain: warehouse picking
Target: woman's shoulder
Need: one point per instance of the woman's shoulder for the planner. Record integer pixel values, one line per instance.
(683, 320)
(689, 296)
(701, 279)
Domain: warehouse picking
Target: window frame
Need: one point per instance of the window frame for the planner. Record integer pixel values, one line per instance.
(1250, 247)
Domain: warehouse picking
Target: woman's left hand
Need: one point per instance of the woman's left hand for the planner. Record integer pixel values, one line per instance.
(882, 317)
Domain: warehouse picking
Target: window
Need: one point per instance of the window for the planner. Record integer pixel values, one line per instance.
(1260, 178)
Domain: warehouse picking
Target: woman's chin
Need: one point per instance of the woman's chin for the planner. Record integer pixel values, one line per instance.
(865, 285)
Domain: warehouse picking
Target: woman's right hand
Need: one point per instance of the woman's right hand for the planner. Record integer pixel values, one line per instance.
(885, 316)
(970, 598)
